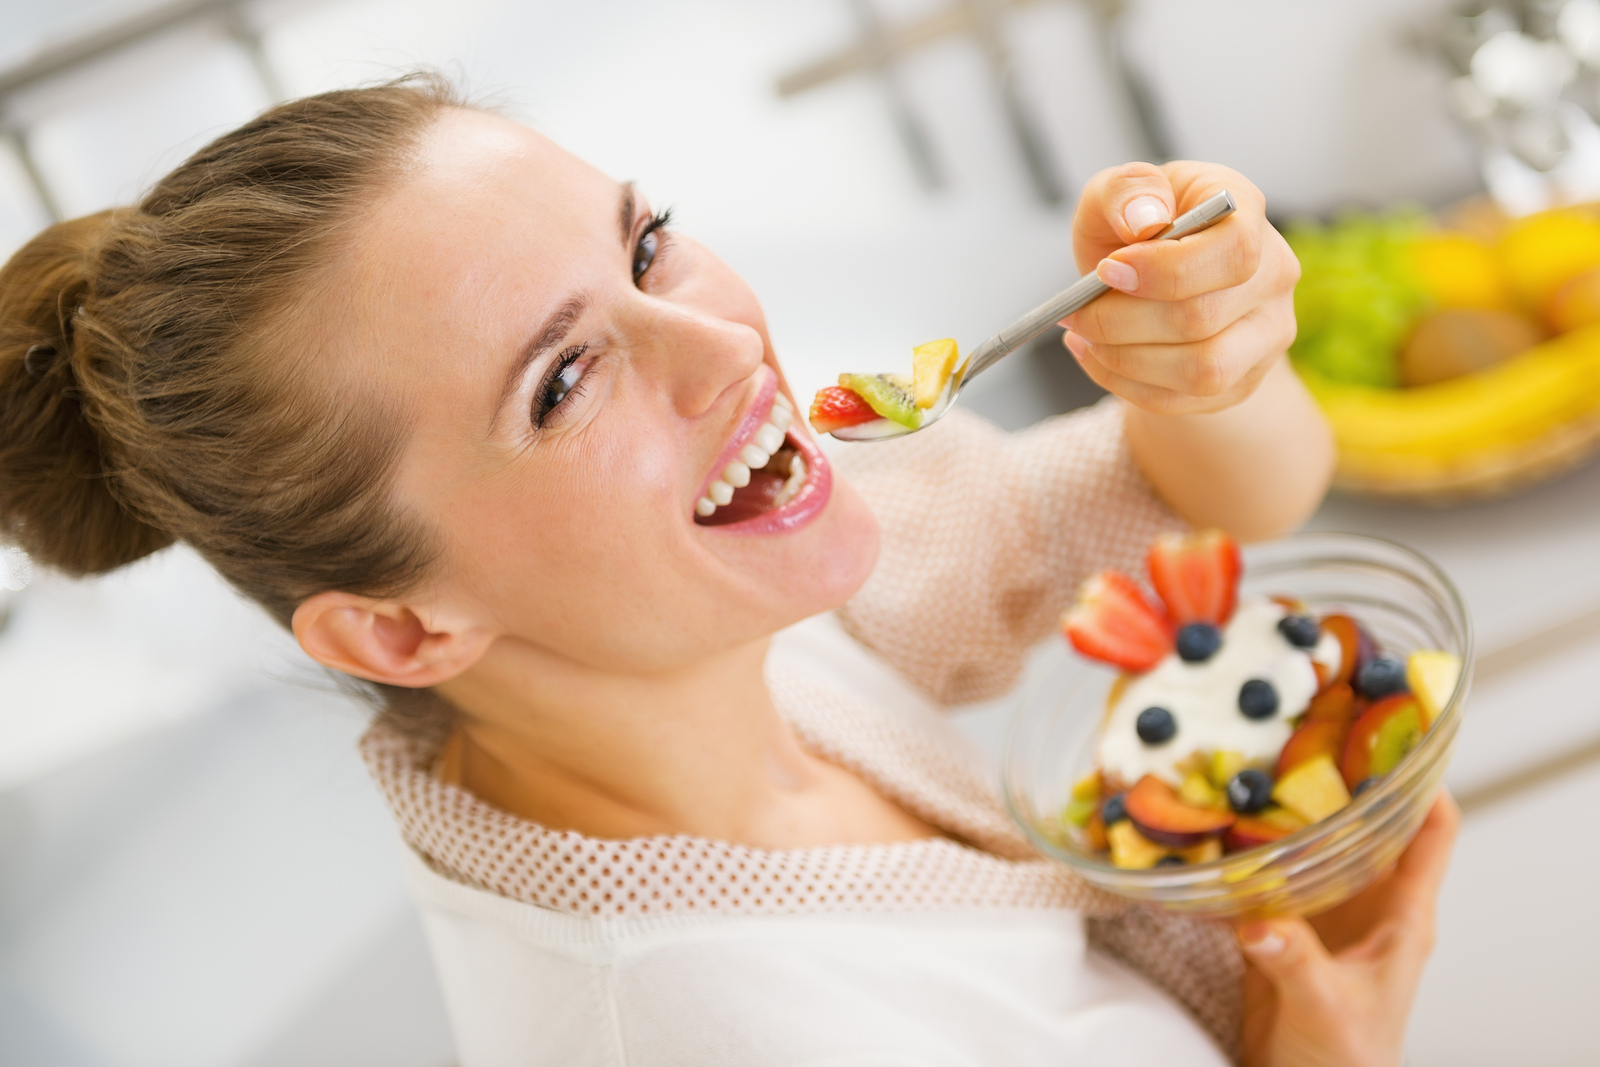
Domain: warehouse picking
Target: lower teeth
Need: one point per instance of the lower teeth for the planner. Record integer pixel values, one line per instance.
(796, 481)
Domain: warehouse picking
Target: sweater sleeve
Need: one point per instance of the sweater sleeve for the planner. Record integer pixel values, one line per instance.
(987, 535)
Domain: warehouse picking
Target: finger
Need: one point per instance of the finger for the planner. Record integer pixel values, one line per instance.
(1122, 319)
(1162, 401)
(1119, 206)
(1221, 257)
(1288, 953)
(1423, 864)
(1210, 368)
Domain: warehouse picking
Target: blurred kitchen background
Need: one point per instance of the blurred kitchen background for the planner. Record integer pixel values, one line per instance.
(882, 171)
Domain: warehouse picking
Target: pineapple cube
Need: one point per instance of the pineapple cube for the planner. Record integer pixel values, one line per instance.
(1198, 793)
(1282, 818)
(1432, 677)
(1130, 848)
(1087, 787)
(931, 367)
(1206, 851)
(1224, 765)
(1314, 790)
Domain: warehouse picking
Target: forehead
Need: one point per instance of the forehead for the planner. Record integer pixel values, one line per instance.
(478, 181)
(490, 225)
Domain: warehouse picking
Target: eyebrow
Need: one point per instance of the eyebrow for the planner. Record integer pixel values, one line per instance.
(555, 328)
(625, 212)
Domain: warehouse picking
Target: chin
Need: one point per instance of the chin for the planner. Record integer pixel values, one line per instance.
(836, 554)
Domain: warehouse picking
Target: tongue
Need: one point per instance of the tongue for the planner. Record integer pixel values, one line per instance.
(759, 496)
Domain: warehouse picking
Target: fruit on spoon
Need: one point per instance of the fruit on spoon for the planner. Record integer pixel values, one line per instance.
(931, 367)
(887, 394)
(836, 407)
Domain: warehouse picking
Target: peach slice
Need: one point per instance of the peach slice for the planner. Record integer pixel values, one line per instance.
(1156, 809)
(1251, 832)
(1351, 642)
(1337, 703)
(1316, 737)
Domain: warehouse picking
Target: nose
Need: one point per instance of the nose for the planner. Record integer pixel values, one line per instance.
(697, 356)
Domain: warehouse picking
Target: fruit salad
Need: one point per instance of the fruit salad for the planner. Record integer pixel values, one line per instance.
(1235, 723)
(862, 398)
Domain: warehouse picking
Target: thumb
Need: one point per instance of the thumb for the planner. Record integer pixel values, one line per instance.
(1119, 206)
(1289, 954)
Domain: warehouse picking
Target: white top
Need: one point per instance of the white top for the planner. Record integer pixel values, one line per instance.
(555, 948)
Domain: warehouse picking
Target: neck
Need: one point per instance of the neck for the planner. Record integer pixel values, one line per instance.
(699, 749)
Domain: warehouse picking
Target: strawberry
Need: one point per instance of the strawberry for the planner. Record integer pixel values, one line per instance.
(836, 407)
(1113, 622)
(1197, 577)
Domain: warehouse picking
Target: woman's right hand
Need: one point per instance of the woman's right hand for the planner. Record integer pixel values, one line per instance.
(1336, 991)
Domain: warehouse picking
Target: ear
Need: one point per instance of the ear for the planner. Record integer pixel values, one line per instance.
(385, 641)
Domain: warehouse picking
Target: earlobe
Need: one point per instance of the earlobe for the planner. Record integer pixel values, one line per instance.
(385, 641)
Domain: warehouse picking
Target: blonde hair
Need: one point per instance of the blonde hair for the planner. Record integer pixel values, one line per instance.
(151, 386)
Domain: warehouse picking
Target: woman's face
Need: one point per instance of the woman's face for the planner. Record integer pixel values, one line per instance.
(575, 377)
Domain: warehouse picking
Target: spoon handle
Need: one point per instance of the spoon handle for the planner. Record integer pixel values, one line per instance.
(1085, 289)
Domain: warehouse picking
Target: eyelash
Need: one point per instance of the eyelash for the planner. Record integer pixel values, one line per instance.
(657, 225)
(546, 407)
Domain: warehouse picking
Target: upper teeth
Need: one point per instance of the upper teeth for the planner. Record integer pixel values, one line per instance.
(752, 457)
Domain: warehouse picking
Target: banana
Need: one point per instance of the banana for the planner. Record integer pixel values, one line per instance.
(1549, 384)
(1539, 410)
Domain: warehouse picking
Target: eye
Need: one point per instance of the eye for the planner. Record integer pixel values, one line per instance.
(564, 378)
(644, 253)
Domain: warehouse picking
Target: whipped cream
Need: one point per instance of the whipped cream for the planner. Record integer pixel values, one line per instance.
(1204, 698)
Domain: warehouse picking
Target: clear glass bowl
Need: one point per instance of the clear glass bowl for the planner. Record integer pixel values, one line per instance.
(1404, 602)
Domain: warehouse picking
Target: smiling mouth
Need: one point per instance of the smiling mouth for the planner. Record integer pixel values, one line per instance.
(768, 473)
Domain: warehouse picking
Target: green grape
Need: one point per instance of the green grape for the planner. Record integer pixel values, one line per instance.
(1357, 298)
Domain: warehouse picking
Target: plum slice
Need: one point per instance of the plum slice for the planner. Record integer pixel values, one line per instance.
(1163, 817)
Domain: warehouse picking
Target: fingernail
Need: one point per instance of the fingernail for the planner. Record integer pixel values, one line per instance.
(1144, 212)
(1264, 943)
(1118, 275)
(1075, 344)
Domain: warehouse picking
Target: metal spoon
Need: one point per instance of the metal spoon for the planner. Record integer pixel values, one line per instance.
(1031, 325)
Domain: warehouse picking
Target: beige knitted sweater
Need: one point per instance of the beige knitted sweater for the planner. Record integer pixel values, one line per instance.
(986, 536)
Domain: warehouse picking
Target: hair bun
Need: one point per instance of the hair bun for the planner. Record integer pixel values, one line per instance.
(56, 498)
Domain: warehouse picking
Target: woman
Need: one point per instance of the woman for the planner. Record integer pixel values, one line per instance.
(444, 399)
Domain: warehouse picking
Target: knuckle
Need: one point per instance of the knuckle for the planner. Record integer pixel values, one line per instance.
(1204, 373)
(1199, 317)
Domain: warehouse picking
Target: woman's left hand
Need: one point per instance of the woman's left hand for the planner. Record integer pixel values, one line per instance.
(1195, 325)
(1336, 991)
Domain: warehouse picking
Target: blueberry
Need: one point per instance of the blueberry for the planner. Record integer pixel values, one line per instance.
(1364, 785)
(1114, 810)
(1301, 631)
(1198, 642)
(1170, 861)
(1257, 699)
(1381, 677)
(1156, 726)
(1249, 791)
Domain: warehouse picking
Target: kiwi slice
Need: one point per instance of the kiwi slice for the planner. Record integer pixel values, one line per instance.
(889, 395)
